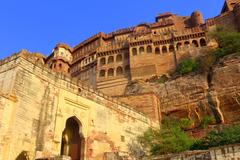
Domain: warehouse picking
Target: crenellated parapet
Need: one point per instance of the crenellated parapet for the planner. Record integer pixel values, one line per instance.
(112, 47)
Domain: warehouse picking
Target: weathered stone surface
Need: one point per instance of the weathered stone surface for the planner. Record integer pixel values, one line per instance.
(194, 96)
(35, 104)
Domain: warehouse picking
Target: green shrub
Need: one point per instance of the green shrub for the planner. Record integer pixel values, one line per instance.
(226, 136)
(163, 79)
(229, 42)
(187, 66)
(206, 121)
(186, 123)
(169, 139)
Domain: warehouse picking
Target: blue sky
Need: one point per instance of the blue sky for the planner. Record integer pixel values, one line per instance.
(37, 25)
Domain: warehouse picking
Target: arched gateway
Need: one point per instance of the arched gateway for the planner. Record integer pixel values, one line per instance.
(73, 140)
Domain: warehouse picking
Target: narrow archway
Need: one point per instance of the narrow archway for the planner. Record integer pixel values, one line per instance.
(134, 51)
(157, 50)
(203, 42)
(164, 49)
(195, 43)
(179, 46)
(149, 49)
(171, 48)
(72, 140)
(141, 50)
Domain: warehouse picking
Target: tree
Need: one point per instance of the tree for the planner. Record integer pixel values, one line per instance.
(171, 138)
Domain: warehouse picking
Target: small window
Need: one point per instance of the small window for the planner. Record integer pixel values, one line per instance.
(194, 43)
(186, 44)
(134, 51)
(102, 73)
(119, 71)
(171, 48)
(179, 45)
(102, 61)
(110, 59)
(203, 42)
(164, 49)
(110, 72)
(149, 49)
(141, 50)
(119, 58)
(157, 50)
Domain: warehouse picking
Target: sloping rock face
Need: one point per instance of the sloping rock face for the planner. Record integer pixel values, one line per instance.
(226, 84)
(215, 94)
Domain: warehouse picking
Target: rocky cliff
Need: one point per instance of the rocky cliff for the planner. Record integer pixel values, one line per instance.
(215, 94)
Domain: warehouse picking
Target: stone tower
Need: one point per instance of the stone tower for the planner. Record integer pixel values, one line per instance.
(196, 19)
(60, 59)
(236, 11)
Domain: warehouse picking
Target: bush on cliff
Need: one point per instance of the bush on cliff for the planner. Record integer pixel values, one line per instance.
(229, 42)
(187, 66)
(171, 138)
(228, 135)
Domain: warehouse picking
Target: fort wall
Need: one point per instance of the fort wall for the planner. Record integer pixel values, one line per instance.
(39, 104)
(147, 103)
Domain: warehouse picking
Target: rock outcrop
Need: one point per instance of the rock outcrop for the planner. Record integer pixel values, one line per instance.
(195, 96)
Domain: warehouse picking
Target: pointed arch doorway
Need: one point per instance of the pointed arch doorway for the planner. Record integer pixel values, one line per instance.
(72, 140)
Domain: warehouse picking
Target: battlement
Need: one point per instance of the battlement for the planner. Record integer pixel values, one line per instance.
(122, 31)
(98, 35)
(116, 45)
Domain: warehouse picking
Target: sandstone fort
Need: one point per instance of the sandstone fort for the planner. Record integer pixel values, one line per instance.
(90, 101)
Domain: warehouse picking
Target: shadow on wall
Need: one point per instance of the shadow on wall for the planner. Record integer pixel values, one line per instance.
(23, 156)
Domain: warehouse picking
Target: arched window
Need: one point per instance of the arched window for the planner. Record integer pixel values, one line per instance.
(110, 72)
(141, 50)
(179, 45)
(171, 48)
(157, 50)
(119, 71)
(134, 51)
(102, 61)
(149, 49)
(110, 59)
(194, 43)
(164, 49)
(186, 44)
(119, 58)
(203, 42)
(102, 73)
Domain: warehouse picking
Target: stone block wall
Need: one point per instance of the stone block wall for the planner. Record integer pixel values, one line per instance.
(147, 103)
(39, 103)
